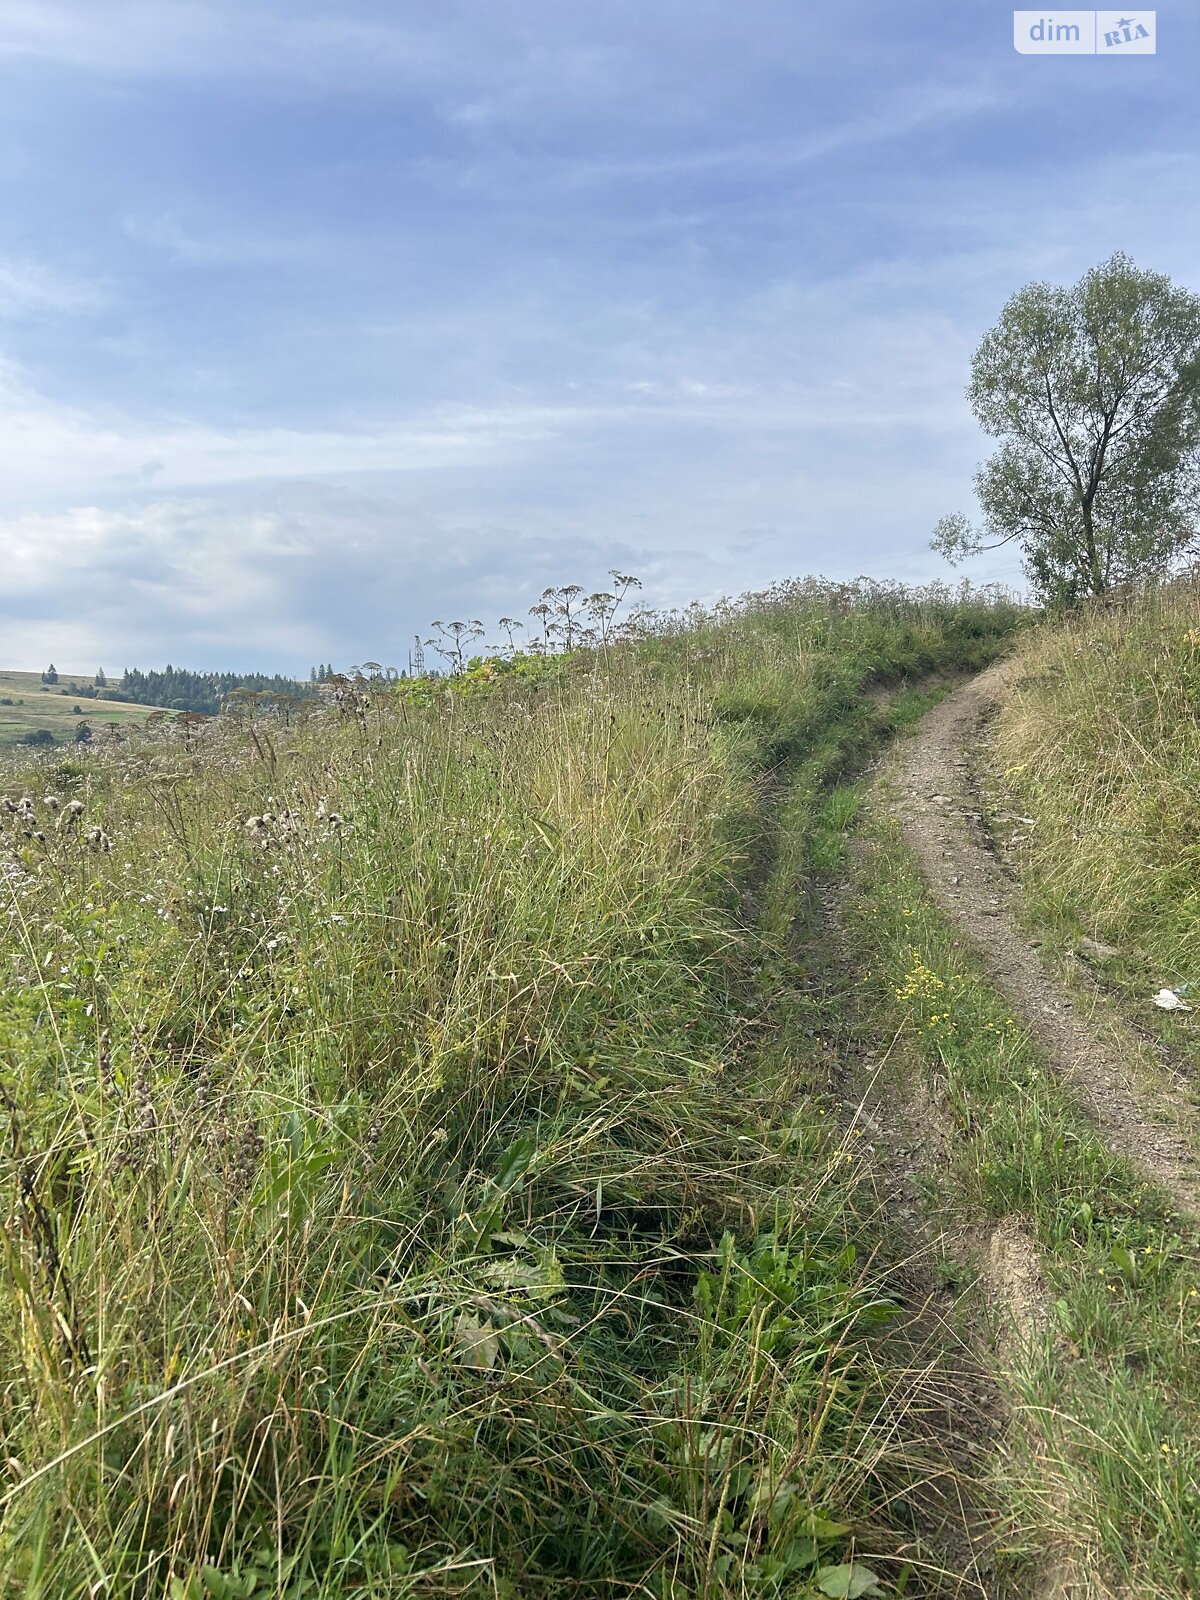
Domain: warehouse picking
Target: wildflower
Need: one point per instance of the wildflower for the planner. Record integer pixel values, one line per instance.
(70, 814)
(52, 802)
(98, 839)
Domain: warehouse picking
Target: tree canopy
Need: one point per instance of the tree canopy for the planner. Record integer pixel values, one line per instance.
(1094, 394)
(176, 689)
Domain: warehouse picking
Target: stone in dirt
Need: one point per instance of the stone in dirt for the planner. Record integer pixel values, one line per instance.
(1097, 950)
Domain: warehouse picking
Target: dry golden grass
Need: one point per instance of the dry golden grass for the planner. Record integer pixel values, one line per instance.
(36, 705)
(1100, 742)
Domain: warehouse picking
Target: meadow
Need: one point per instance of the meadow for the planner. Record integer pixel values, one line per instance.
(420, 1173)
(27, 705)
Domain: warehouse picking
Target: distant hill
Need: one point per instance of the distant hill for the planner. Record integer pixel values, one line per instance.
(34, 710)
(30, 708)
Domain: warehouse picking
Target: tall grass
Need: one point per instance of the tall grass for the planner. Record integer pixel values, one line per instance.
(1100, 739)
(1099, 1471)
(397, 1197)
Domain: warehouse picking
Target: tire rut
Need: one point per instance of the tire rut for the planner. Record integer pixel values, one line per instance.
(940, 818)
(964, 1411)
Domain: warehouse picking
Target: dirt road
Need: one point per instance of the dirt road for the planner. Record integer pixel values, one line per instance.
(939, 811)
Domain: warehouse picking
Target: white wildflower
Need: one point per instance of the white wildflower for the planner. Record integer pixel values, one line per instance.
(70, 814)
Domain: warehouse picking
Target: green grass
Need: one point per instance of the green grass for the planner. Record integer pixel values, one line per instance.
(26, 705)
(1099, 742)
(414, 1181)
(1102, 1465)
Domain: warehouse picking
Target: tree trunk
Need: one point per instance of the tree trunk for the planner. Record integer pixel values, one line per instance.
(1095, 569)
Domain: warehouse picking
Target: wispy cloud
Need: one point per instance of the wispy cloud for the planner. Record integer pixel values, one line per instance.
(60, 450)
(932, 104)
(208, 247)
(200, 38)
(321, 319)
(796, 358)
(28, 288)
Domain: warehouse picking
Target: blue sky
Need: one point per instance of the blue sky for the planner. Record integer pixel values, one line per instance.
(319, 321)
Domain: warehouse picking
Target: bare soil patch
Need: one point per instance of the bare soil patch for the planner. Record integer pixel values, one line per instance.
(899, 1129)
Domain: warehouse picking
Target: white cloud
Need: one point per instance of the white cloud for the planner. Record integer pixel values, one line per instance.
(302, 573)
(608, 305)
(58, 451)
(279, 580)
(28, 288)
(822, 361)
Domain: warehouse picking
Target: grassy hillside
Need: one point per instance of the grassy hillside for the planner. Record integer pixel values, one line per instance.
(418, 1177)
(26, 704)
(1100, 742)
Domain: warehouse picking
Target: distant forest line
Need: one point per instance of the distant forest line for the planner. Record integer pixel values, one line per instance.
(177, 689)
